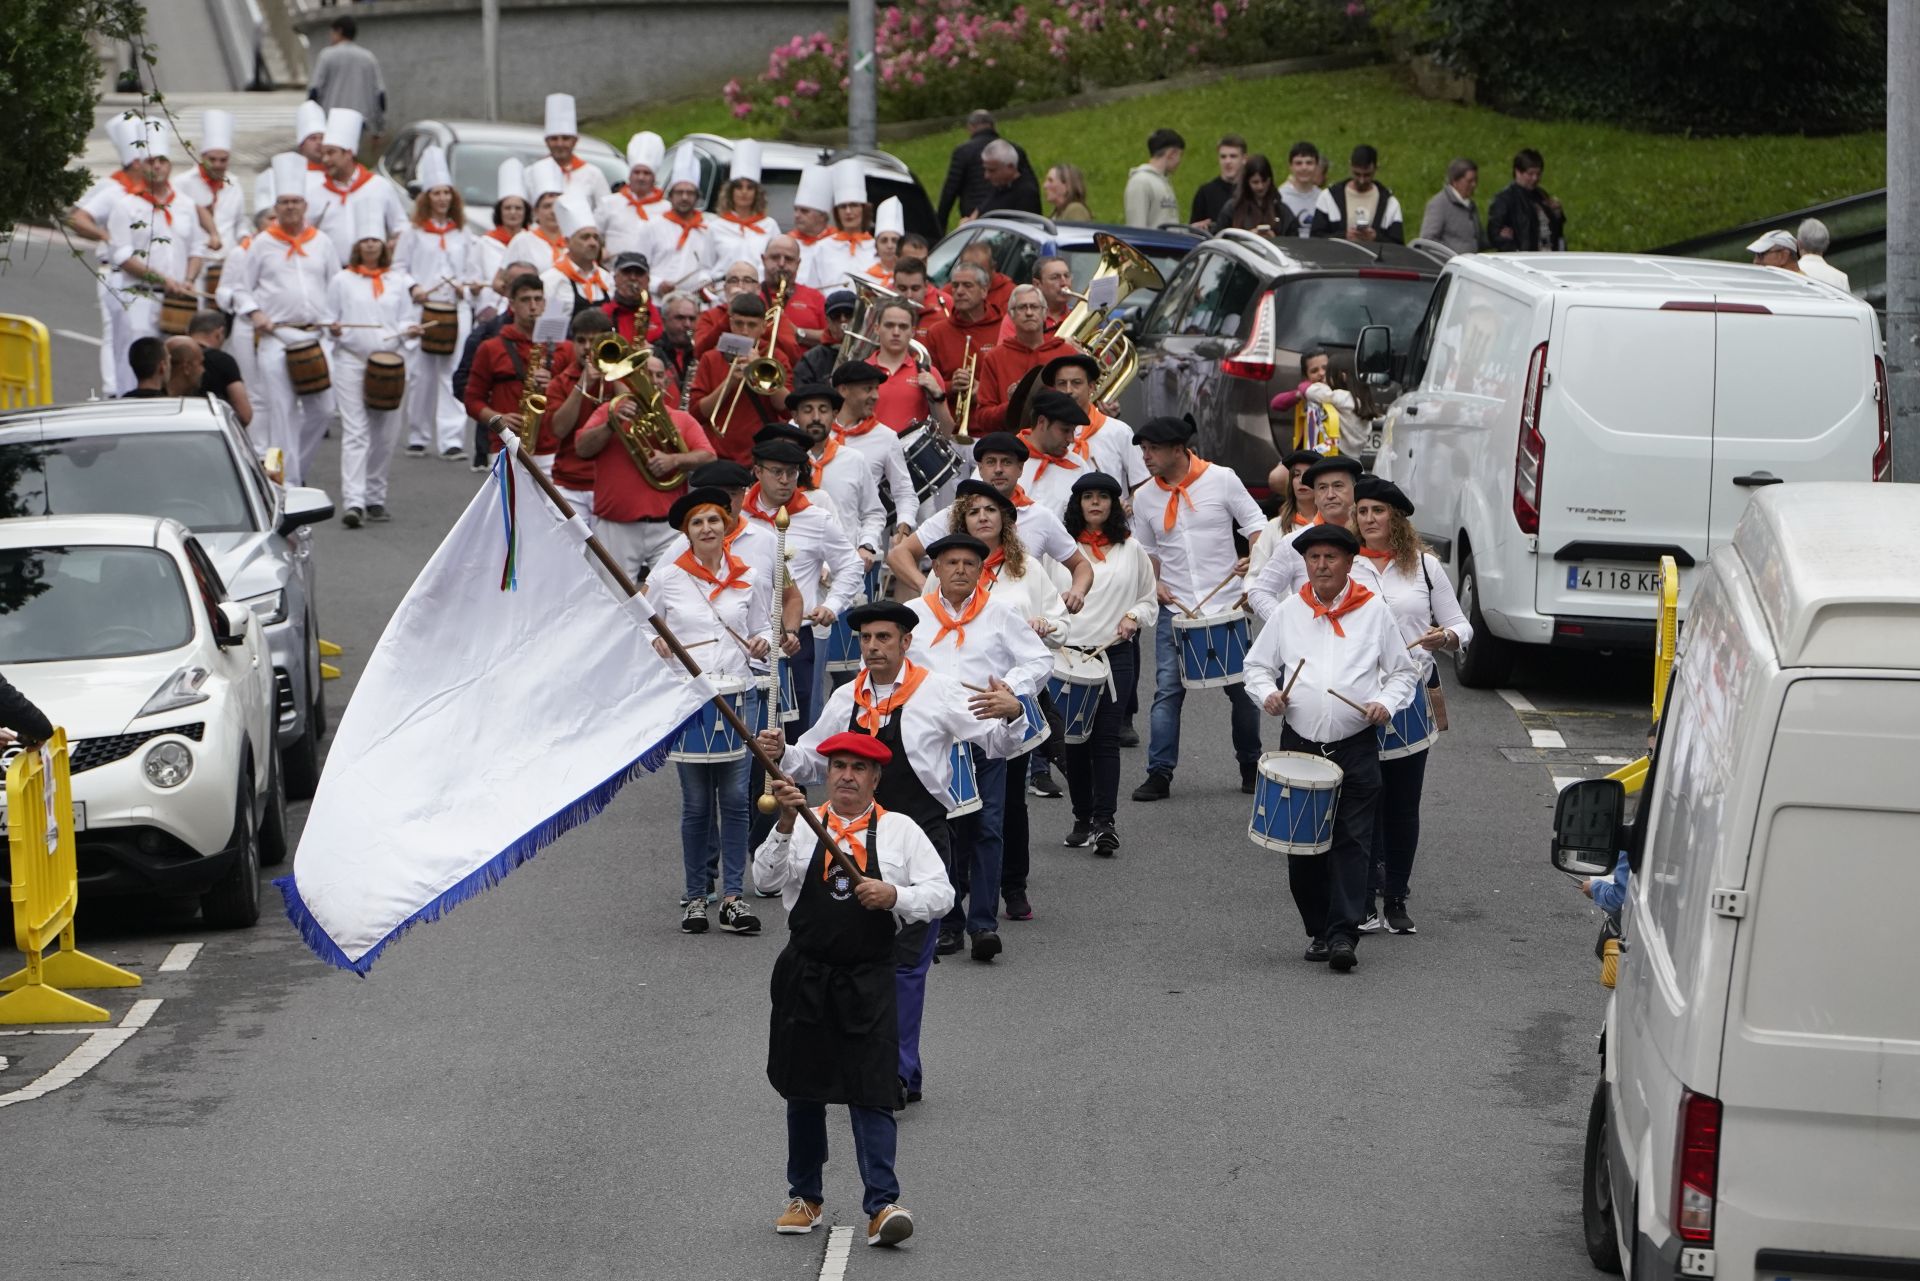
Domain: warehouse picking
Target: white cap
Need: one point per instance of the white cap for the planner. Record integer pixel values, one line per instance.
(311, 118)
(1775, 240)
(542, 176)
(560, 116)
(343, 129)
(158, 146)
(849, 183)
(432, 170)
(646, 148)
(511, 179)
(746, 161)
(124, 130)
(216, 130)
(573, 214)
(369, 220)
(890, 216)
(815, 190)
(263, 190)
(686, 168)
(290, 175)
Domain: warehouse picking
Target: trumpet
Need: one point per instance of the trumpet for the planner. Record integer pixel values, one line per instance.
(763, 376)
(651, 429)
(970, 365)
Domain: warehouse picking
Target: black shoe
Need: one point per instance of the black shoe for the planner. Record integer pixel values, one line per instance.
(1371, 922)
(1018, 909)
(1078, 837)
(1340, 955)
(1157, 788)
(352, 518)
(452, 455)
(1317, 950)
(986, 945)
(416, 451)
(1397, 919)
(1106, 841)
(1248, 773)
(1129, 737)
(378, 513)
(950, 941)
(736, 919)
(914, 1096)
(1043, 784)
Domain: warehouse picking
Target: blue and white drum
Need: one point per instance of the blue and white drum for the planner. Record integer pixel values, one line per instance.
(963, 791)
(843, 647)
(1410, 731)
(1079, 679)
(1036, 728)
(1212, 647)
(1293, 803)
(877, 583)
(708, 739)
(932, 461)
(789, 695)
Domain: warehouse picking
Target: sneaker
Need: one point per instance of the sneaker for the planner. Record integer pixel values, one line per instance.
(416, 451)
(1078, 836)
(799, 1217)
(1317, 950)
(480, 463)
(452, 455)
(1341, 956)
(950, 941)
(760, 893)
(1157, 788)
(1248, 773)
(1106, 841)
(352, 518)
(694, 920)
(1129, 737)
(378, 513)
(1018, 909)
(736, 919)
(986, 946)
(1371, 922)
(1043, 784)
(1397, 919)
(890, 1227)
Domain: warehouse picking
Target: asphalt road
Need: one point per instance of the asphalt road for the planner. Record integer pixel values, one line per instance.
(555, 1083)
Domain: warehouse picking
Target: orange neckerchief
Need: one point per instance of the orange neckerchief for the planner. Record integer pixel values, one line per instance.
(1356, 596)
(213, 184)
(503, 235)
(361, 177)
(131, 185)
(989, 574)
(1045, 460)
(860, 428)
(688, 224)
(826, 456)
(739, 528)
(1096, 542)
(1301, 522)
(811, 241)
(795, 505)
(751, 224)
(873, 716)
(163, 208)
(293, 243)
(948, 623)
(1083, 439)
(440, 229)
(1195, 471)
(589, 285)
(849, 833)
(314, 166)
(1019, 496)
(1371, 554)
(852, 239)
(639, 206)
(574, 165)
(736, 568)
(374, 274)
(881, 274)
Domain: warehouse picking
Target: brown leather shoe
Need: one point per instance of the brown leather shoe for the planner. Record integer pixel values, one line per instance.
(800, 1217)
(890, 1227)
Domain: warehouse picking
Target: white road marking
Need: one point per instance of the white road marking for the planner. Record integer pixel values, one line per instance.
(180, 957)
(74, 335)
(4, 1062)
(1546, 738)
(1613, 760)
(839, 1246)
(84, 1057)
(1561, 782)
(1516, 700)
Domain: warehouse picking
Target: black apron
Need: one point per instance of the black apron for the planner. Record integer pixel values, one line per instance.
(835, 1032)
(902, 792)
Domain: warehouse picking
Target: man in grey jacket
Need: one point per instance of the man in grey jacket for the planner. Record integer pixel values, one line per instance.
(1452, 218)
(347, 75)
(1149, 198)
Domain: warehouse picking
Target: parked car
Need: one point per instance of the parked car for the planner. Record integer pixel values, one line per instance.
(119, 628)
(1018, 240)
(1757, 1112)
(780, 166)
(189, 460)
(1231, 329)
(1571, 418)
(475, 149)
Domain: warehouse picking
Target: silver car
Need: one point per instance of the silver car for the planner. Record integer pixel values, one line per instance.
(189, 460)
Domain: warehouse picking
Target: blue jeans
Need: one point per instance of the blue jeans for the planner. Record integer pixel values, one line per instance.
(1169, 696)
(977, 850)
(875, 1135)
(713, 818)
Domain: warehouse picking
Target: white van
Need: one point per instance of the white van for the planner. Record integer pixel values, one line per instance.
(1571, 418)
(1758, 1113)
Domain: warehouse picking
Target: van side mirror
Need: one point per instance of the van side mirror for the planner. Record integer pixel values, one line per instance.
(1586, 826)
(1373, 350)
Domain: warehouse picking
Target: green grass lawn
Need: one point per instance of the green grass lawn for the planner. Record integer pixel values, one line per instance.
(1622, 190)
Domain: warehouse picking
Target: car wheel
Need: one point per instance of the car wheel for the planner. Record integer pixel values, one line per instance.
(1486, 661)
(300, 763)
(1596, 1188)
(234, 903)
(318, 716)
(275, 840)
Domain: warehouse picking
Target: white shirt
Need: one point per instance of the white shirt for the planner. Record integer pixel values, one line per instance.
(1049, 484)
(561, 289)
(289, 285)
(229, 207)
(1416, 607)
(817, 548)
(1112, 451)
(998, 642)
(1030, 595)
(1326, 211)
(333, 213)
(741, 241)
(350, 301)
(1042, 532)
(674, 263)
(529, 246)
(136, 226)
(834, 259)
(1198, 550)
(587, 180)
(849, 484)
(888, 458)
(626, 224)
(815, 257)
(1816, 267)
(1368, 665)
(908, 862)
(1271, 536)
(432, 259)
(681, 599)
(1123, 587)
(752, 542)
(98, 203)
(1284, 572)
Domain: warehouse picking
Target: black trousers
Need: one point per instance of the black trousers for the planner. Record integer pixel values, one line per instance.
(1093, 767)
(1396, 828)
(1330, 889)
(1015, 855)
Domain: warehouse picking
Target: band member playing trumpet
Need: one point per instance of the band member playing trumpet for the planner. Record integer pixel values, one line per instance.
(631, 505)
(972, 328)
(724, 395)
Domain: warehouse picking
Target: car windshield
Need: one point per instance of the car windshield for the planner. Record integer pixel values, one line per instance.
(1330, 311)
(476, 167)
(59, 603)
(188, 476)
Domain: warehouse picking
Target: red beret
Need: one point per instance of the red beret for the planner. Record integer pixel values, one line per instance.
(864, 745)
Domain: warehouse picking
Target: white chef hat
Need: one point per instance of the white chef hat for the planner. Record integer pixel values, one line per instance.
(573, 214)
(815, 190)
(159, 145)
(369, 220)
(124, 131)
(263, 188)
(432, 171)
(542, 176)
(216, 130)
(511, 179)
(561, 118)
(890, 216)
(343, 129)
(646, 148)
(309, 119)
(849, 183)
(686, 168)
(746, 161)
(290, 175)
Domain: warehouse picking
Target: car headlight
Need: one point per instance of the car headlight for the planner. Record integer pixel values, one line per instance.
(182, 689)
(168, 764)
(269, 607)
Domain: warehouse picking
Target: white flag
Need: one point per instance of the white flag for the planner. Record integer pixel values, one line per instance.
(488, 723)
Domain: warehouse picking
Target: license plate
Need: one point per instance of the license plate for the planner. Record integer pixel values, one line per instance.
(1613, 578)
(79, 818)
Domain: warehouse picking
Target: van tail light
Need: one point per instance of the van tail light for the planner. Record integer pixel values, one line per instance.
(1530, 456)
(1696, 1171)
(1883, 448)
(1254, 361)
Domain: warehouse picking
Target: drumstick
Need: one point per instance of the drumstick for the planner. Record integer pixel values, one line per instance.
(1175, 602)
(1349, 702)
(1301, 667)
(1209, 596)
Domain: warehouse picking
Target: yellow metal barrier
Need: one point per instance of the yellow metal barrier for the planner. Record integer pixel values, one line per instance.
(1666, 644)
(46, 890)
(26, 363)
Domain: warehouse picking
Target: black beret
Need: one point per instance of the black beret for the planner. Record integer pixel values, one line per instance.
(1338, 536)
(782, 431)
(1296, 458)
(780, 450)
(1385, 491)
(1080, 358)
(723, 473)
(1000, 442)
(814, 391)
(881, 611)
(1334, 466)
(698, 497)
(957, 543)
(1057, 406)
(856, 371)
(1161, 431)
(1100, 481)
(971, 488)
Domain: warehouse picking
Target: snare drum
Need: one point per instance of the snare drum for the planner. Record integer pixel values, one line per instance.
(307, 366)
(1293, 803)
(439, 327)
(708, 738)
(932, 461)
(963, 791)
(1410, 731)
(386, 384)
(843, 647)
(176, 313)
(1213, 648)
(1079, 679)
(1035, 731)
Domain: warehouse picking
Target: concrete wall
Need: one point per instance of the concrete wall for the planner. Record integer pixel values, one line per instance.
(609, 54)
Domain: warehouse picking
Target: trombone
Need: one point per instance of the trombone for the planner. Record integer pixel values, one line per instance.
(763, 375)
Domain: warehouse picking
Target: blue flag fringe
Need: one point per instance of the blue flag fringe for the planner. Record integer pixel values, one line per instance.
(484, 877)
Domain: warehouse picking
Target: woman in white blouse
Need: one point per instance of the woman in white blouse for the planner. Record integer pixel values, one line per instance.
(1122, 600)
(1415, 586)
(372, 310)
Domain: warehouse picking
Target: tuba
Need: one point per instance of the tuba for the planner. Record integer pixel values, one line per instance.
(624, 365)
(860, 337)
(1094, 331)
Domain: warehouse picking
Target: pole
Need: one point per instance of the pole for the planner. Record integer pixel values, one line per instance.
(490, 55)
(1903, 224)
(860, 108)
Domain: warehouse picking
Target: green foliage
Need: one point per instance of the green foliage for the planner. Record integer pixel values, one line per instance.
(48, 75)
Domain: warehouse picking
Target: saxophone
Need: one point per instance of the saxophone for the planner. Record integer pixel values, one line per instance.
(533, 402)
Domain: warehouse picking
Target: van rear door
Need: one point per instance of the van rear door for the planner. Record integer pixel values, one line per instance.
(1820, 1065)
(1793, 399)
(1627, 421)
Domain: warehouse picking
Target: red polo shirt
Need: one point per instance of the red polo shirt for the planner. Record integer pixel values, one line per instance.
(901, 399)
(619, 491)
(734, 439)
